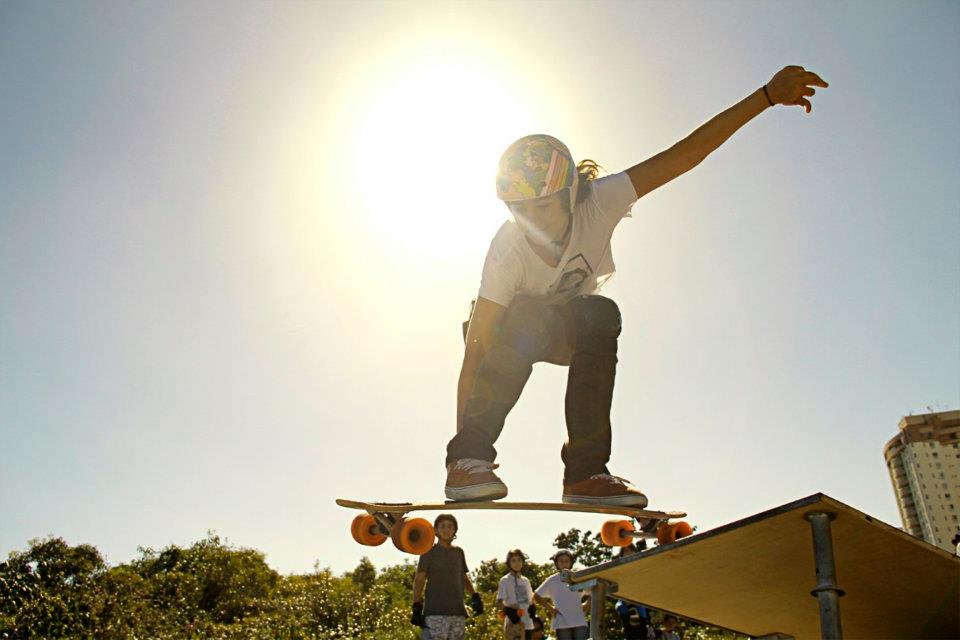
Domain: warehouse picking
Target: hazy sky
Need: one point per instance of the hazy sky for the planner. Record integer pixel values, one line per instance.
(237, 241)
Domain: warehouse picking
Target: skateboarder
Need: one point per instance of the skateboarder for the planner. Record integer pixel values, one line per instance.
(444, 571)
(564, 604)
(515, 599)
(538, 297)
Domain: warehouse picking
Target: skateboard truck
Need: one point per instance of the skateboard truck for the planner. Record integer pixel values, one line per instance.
(620, 533)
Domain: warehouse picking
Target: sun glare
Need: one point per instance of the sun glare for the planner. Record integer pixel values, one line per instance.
(426, 156)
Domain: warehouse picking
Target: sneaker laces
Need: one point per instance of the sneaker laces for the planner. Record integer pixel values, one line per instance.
(609, 477)
(473, 465)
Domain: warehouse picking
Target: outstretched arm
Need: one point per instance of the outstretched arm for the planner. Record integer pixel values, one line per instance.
(791, 85)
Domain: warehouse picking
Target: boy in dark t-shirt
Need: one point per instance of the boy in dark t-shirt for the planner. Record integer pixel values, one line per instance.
(444, 571)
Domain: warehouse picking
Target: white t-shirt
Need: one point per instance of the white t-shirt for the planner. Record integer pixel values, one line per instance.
(566, 600)
(512, 268)
(517, 592)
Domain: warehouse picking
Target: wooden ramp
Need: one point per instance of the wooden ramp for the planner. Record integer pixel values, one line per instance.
(755, 576)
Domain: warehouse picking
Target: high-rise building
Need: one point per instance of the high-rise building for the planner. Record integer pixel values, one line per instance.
(924, 464)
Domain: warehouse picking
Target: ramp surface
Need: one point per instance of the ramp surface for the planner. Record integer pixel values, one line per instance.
(755, 575)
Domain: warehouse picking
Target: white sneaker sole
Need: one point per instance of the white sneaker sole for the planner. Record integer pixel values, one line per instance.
(639, 502)
(488, 491)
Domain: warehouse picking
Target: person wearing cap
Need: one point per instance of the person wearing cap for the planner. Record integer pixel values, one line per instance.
(538, 299)
(564, 605)
(515, 599)
(443, 571)
(634, 618)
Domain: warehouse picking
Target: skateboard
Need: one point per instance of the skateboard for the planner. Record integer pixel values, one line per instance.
(384, 520)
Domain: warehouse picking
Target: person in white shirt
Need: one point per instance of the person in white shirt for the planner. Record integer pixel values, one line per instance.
(538, 297)
(564, 605)
(515, 599)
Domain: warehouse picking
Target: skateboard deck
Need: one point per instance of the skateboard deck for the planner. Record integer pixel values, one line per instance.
(384, 520)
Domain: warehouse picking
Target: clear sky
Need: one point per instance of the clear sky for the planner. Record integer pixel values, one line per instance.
(237, 241)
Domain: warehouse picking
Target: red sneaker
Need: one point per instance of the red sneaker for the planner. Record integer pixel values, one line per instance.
(604, 488)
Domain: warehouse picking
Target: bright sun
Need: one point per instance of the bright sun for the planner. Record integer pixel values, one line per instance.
(426, 155)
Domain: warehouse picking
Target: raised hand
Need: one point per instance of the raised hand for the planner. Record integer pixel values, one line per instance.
(792, 85)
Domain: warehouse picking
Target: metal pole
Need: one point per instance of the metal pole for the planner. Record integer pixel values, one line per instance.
(598, 598)
(599, 589)
(827, 591)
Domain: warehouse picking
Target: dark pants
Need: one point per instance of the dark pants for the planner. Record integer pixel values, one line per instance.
(582, 334)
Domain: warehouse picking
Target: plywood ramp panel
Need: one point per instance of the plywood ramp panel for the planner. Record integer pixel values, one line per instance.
(755, 575)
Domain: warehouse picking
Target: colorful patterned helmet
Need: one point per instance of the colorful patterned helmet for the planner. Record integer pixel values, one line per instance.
(536, 166)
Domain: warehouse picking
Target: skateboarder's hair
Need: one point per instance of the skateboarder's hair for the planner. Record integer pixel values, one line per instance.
(587, 171)
(515, 552)
(449, 518)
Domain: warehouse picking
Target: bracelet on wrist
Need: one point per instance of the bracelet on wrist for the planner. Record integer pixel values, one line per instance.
(767, 95)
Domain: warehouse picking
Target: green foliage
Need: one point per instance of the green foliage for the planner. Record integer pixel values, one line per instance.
(210, 577)
(214, 590)
(364, 575)
(587, 547)
(49, 590)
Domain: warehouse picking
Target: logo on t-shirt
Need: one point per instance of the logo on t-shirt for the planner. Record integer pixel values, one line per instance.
(575, 272)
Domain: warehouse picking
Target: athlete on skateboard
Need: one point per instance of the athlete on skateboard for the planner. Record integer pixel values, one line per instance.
(538, 302)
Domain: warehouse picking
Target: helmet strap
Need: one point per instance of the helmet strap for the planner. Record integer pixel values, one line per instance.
(573, 192)
(560, 245)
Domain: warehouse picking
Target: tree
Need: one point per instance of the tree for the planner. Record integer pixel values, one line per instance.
(48, 590)
(364, 575)
(209, 576)
(587, 547)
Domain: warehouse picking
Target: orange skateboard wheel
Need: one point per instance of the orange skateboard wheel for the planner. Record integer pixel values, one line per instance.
(671, 532)
(366, 530)
(616, 533)
(412, 536)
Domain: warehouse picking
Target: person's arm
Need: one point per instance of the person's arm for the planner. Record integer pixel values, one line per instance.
(485, 321)
(416, 609)
(547, 604)
(791, 85)
(419, 581)
(476, 603)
